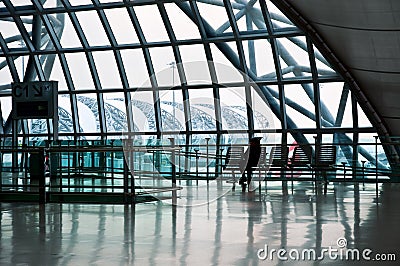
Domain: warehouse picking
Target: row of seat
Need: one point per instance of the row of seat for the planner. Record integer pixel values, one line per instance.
(302, 158)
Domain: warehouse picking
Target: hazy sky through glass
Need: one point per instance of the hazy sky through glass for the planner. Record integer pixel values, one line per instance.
(163, 59)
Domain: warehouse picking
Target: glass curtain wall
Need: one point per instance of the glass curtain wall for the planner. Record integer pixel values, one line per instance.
(192, 70)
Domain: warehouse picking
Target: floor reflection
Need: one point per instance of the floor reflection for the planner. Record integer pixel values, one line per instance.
(227, 231)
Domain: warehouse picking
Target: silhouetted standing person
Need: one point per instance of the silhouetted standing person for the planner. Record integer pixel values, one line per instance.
(250, 160)
(81, 163)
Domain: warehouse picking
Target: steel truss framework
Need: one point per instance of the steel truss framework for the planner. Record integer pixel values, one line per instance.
(38, 44)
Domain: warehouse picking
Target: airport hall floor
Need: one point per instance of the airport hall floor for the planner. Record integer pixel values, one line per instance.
(212, 225)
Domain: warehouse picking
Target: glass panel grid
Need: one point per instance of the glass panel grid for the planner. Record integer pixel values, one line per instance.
(156, 54)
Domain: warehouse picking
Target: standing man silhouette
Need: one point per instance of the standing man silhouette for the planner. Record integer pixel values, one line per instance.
(250, 160)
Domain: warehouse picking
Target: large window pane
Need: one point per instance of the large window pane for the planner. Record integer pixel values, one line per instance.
(323, 67)
(264, 65)
(80, 2)
(88, 113)
(152, 25)
(115, 108)
(143, 111)
(215, 16)
(5, 75)
(195, 64)
(80, 72)
(331, 95)
(116, 18)
(262, 114)
(294, 58)
(299, 107)
(20, 64)
(21, 3)
(50, 3)
(69, 38)
(92, 28)
(226, 72)
(163, 58)
(253, 19)
(65, 114)
(279, 20)
(58, 75)
(135, 67)
(184, 28)
(6, 106)
(202, 109)
(172, 113)
(107, 69)
(233, 105)
(363, 120)
(9, 29)
(274, 91)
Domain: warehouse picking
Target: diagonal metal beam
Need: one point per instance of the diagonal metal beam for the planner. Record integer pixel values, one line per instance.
(232, 57)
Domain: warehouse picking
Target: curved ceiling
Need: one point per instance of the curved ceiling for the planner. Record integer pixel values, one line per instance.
(110, 56)
(365, 36)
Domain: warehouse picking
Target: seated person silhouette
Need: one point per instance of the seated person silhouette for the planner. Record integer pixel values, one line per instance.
(250, 160)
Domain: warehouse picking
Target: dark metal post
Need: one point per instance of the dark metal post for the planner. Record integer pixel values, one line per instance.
(131, 169)
(207, 159)
(376, 166)
(363, 168)
(60, 165)
(1, 167)
(315, 162)
(344, 170)
(36, 169)
(112, 154)
(140, 156)
(126, 173)
(128, 197)
(42, 188)
(221, 163)
(69, 166)
(173, 166)
(196, 150)
(173, 170)
(14, 145)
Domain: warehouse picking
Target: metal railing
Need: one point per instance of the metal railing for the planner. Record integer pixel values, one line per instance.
(108, 168)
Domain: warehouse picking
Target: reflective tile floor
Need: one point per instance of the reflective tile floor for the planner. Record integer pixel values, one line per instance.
(278, 226)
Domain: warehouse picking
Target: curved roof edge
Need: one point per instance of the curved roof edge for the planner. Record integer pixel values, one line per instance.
(303, 23)
(370, 110)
